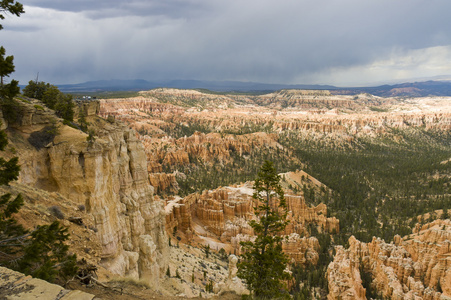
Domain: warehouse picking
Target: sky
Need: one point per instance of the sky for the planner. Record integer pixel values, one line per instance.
(337, 42)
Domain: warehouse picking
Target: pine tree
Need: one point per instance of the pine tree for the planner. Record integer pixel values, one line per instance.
(50, 96)
(64, 107)
(45, 256)
(9, 169)
(82, 120)
(10, 6)
(263, 263)
(53, 98)
(6, 65)
(36, 90)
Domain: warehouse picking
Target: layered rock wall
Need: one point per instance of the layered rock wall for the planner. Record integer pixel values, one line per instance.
(225, 213)
(414, 267)
(108, 176)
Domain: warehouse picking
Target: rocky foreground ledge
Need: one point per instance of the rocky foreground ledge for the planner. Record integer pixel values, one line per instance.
(15, 285)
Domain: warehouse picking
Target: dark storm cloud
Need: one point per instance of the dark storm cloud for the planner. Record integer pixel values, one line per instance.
(109, 8)
(285, 41)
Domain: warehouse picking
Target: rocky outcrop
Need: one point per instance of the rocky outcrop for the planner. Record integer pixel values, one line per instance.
(139, 105)
(88, 108)
(232, 283)
(300, 215)
(164, 182)
(224, 214)
(280, 111)
(15, 285)
(344, 277)
(208, 147)
(301, 250)
(417, 266)
(305, 99)
(170, 153)
(108, 176)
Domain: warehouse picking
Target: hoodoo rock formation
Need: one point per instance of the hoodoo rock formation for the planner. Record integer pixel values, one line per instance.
(230, 125)
(223, 215)
(417, 266)
(186, 130)
(108, 177)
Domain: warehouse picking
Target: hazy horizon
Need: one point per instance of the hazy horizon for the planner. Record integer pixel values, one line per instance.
(346, 43)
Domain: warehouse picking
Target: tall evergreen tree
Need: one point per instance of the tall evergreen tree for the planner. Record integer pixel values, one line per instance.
(6, 64)
(64, 107)
(50, 96)
(8, 91)
(263, 263)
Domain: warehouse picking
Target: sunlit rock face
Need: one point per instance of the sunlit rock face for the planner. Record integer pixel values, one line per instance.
(224, 214)
(108, 176)
(417, 266)
(339, 119)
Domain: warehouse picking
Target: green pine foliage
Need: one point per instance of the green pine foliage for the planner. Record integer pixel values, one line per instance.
(50, 96)
(64, 107)
(206, 250)
(12, 235)
(6, 65)
(10, 6)
(9, 170)
(263, 262)
(308, 278)
(10, 90)
(82, 120)
(46, 255)
(379, 185)
(202, 175)
(53, 98)
(36, 90)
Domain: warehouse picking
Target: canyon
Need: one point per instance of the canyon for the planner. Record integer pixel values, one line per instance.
(169, 172)
(104, 179)
(417, 266)
(186, 129)
(218, 126)
(219, 218)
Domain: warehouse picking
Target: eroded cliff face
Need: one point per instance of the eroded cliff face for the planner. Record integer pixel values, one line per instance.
(108, 176)
(417, 266)
(223, 215)
(229, 125)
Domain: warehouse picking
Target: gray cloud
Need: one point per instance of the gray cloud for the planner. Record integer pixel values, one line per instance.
(110, 8)
(287, 41)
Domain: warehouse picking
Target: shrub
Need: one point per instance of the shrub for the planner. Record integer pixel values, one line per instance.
(91, 136)
(56, 212)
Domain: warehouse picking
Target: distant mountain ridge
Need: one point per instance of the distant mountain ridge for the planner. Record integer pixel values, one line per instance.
(408, 89)
(415, 89)
(218, 86)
